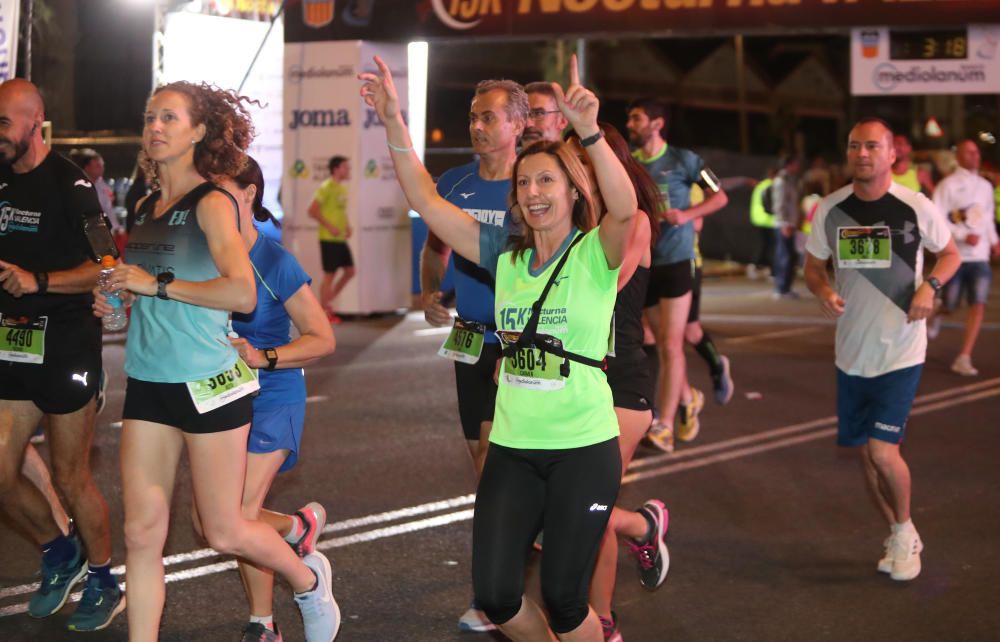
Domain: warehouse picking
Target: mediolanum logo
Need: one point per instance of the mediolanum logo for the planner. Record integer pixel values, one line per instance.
(297, 74)
(319, 118)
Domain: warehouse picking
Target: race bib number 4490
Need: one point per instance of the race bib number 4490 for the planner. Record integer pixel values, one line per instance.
(22, 339)
(864, 247)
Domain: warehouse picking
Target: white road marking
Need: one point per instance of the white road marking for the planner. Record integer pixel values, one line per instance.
(684, 460)
(778, 334)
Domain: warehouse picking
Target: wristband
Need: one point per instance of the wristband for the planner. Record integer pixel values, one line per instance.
(590, 140)
(42, 279)
(934, 283)
(396, 148)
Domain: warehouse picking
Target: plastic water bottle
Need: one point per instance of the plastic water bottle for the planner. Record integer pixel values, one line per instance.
(116, 319)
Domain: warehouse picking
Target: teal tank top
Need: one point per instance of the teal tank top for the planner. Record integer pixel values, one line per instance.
(170, 341)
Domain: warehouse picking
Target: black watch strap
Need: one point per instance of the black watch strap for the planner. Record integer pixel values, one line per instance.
(163, 279)
(590, 140)
(271, 354)
(934, 283)
(42, 279)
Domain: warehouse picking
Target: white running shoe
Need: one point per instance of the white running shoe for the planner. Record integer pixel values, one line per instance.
(320, 613)
(475, 621)
(905, 549)
(963, 366)
(885, 563)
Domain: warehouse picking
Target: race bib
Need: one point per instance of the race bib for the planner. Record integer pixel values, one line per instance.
(864, 247)
(230, 385)
(22, 339)
(464, 342)
(531, 368)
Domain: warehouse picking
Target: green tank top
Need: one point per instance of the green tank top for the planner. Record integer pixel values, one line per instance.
(908, 179)
(577, 311)
(759, 216)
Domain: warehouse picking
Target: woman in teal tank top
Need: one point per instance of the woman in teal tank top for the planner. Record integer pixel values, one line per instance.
(553, 462)
(187, 387)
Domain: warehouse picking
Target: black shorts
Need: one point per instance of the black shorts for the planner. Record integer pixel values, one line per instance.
(170, 404)
(335, 255)
(68, 377)
(669, 281)
(695, 296)
(477, 392)
(630, 380)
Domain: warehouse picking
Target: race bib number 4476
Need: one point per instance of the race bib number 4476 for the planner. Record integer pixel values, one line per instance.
(864, 247)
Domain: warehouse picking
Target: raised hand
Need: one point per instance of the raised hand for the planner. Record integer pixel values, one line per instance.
(379, 91)
(578, 104)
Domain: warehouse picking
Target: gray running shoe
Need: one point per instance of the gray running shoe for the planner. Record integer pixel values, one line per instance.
(320, 613)
(723, 383)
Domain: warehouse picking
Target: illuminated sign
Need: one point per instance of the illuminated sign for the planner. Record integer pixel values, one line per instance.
(939, 61)
(432, 19)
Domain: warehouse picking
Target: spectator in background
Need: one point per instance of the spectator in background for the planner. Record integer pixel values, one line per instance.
(905, 172)
(762, 218)
(329, 208)
(788, 218)
(545, 121)
(966, 200)
(92, 165)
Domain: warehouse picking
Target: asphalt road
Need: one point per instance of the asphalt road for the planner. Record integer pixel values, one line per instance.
(771, 533)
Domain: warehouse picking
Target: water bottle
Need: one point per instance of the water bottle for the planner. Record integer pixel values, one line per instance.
(116, 319)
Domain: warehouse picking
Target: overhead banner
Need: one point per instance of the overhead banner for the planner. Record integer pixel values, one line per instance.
(963, 60)
(407, 20)
(8, 38)
(325, 116)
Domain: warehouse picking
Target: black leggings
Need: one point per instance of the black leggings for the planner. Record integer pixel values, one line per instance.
(568, 493)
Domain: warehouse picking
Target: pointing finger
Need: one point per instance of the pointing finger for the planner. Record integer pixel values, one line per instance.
(574, 71)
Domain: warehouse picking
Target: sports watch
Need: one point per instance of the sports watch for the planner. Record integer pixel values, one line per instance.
(934, 283)
(163, 279)
(271, 355)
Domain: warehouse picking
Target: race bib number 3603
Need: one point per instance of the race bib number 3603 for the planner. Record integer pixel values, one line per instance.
(218, 390)
(864, 247)
(22, 339)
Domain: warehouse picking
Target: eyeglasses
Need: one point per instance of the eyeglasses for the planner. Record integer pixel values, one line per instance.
(538, 114)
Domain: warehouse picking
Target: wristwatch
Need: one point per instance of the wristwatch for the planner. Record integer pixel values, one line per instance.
(271, 355)
(934, 283)
(163, 279)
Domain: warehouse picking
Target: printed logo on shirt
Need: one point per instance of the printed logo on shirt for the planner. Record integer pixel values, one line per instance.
(83, 183)
(16, 220)
(514, 318)
(466, 195)
(490, 217)
(179, 217)
(598, 508)
(2, 186)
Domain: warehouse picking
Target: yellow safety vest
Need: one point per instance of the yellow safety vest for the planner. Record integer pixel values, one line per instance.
(758, 215)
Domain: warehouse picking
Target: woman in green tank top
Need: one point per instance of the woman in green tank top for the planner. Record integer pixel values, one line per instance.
(553, 460)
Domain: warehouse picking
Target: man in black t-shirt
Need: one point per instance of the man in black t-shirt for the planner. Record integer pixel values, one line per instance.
(50, 358)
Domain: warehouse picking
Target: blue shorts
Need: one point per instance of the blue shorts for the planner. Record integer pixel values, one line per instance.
(278, 428)
(974, 278)
(875, 407)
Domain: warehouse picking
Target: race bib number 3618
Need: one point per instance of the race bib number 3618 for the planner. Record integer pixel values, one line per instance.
(864, 247)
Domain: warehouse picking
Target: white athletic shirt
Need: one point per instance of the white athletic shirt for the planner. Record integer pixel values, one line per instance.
(966, 200)
(873, 336)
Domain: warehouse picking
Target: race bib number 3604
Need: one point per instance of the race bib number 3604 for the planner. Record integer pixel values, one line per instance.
(22, 339)
(864, 247)
(530, 368)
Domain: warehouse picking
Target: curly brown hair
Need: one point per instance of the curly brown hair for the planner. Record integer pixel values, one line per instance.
(229, 129)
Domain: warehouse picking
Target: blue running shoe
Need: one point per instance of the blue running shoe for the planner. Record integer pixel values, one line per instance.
(320, 613)
(57, 582)
(98, 606)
